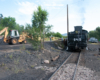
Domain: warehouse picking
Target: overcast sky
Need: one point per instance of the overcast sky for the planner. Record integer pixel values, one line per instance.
(81, 12)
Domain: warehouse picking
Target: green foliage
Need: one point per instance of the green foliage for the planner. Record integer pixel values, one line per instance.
(65, 37)
(10, 22)
(34, 43)
(20, 28)
(38, 27)
(50, 34)
(57, 35)
(48, 28)
(95, 33)
(39, 18)
(54, 34)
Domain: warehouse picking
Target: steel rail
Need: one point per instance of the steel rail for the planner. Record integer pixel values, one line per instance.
(60, 66)
(76, 67)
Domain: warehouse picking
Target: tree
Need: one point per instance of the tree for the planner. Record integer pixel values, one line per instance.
(8, 22)
(54, 34)
(58, 35)
(48, 29)
(38, 29)
(38, 21)
(95, 33)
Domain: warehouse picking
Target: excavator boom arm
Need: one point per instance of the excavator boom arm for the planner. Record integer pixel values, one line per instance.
(6, 33)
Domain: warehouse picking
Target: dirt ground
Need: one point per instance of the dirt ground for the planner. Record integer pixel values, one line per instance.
(92, 58)
(21, 62)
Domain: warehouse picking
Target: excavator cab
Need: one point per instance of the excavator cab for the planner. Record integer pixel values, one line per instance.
(15, 38)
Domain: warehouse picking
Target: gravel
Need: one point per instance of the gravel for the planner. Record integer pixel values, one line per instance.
(67, 71)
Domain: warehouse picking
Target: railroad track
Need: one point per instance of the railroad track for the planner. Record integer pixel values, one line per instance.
(72, 58)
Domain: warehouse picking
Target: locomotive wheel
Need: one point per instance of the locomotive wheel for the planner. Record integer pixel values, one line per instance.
(14, 41)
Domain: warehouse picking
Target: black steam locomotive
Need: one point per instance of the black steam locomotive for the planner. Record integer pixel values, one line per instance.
(77, 39)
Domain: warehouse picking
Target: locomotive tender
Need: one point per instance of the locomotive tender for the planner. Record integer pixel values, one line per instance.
(77, 39)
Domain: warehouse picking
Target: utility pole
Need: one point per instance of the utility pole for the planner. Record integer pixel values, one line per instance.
(67, 24)
(67, 21)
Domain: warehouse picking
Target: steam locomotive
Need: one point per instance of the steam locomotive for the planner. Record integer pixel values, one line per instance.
(77, 39)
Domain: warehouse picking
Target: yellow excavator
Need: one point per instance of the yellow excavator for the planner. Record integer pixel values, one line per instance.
(13, 36)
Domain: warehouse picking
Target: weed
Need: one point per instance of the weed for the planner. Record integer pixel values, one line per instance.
(20, 51)
(6, 67)
(28, 51)
(32, 66)
(18, 70)
(10, 56)
(12, 69)
(98, 58)
(2, 64)
(42, 69)
(23, 47)
(21, 70)
(16, 61)
(5, 56)
(38, 56)
(55, 49)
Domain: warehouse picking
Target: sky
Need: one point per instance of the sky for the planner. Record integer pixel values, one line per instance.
(85, 13)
